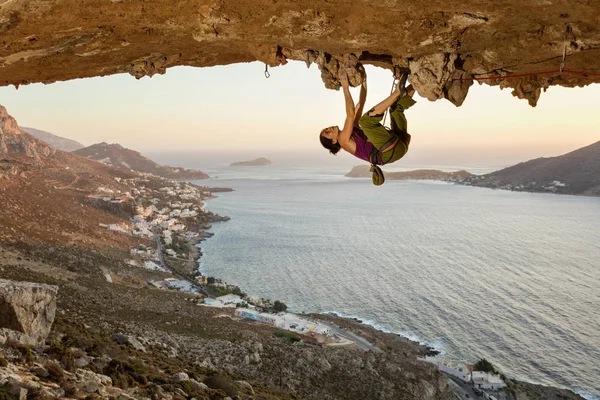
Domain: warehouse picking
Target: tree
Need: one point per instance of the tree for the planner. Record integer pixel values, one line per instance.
(484, 366)
(279, 306)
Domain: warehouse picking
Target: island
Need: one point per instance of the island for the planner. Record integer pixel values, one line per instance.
(259, 162)
(363, 171)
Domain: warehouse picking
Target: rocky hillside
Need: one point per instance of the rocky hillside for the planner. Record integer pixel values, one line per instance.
(118, 156)
(16, 143)
(258, 162)
(115, 336)
(363, 171)
(577, 172)
(59, 143)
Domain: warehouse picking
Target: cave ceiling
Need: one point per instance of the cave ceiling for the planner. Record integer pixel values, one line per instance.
(519, 44)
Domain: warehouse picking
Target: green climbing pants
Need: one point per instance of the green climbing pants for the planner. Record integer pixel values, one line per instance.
(378, 134)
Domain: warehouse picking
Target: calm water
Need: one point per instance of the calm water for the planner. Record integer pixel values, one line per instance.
(512, 277)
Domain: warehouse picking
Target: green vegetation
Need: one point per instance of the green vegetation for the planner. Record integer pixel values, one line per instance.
(180, 245)
(288, 336)
(279, 306)
(484, 366)
(236, 290)
(4, 395)
(60, 351)
(27, 354)
(221, 382)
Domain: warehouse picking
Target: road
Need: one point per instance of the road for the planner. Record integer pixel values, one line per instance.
(466, 389)
(161, 257)
(361, 342)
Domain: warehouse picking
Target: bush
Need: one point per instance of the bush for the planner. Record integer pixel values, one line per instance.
(55, 372)
(62, 354)
(279, 306)
(484, 366)
(288, 336)
(221, 382)
(4, 395)
(27, 354)
(125, 373)
(236, 290)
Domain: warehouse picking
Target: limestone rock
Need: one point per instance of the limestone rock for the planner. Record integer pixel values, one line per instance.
(245, 386)
(125, 339)
(27, 310)
(180, 377)
(84, 38)
(198, 385)
(40, 371)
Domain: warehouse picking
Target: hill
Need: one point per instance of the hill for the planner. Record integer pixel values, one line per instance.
(121, 333)
(362, 171)
(577, 172)
(258, 162)
(119, 156)
(59, 143)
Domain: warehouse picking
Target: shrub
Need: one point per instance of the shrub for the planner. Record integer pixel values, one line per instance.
(26, 353)
(288, 336)
(62, 354)
(484, 366)
(221, 382)
(4, 395)
(126, 373)
(279, 306)
(55, 372)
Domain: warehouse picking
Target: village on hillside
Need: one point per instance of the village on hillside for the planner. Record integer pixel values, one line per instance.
(174, 217)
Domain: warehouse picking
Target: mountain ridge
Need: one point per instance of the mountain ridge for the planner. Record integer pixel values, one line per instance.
(576, 172)
(119, 156)
(58, 142)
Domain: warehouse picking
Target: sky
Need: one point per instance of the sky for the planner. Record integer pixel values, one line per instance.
(235, 109)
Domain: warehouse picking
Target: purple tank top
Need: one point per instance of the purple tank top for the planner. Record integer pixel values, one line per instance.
(363, 146)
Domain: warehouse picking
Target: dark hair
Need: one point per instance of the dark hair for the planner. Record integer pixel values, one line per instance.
(328, 144)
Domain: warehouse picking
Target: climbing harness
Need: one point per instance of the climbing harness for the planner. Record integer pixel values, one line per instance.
(390, 145)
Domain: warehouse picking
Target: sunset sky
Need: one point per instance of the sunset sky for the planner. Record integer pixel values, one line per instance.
(236, 109)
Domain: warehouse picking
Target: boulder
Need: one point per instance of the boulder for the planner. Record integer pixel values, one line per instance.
(40, 371)
(245, 387)
(27, 311)
(198, 386)
(125, 339)
(180, 377)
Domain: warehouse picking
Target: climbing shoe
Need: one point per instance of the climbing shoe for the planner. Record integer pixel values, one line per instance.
(378, 178)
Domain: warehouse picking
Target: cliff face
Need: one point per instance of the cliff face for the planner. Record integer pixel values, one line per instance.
(439, 42)
(14, 141)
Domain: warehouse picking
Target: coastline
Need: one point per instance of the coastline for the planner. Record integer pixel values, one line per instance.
(381, 335)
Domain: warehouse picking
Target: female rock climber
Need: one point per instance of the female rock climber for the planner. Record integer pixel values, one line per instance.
(365, 137)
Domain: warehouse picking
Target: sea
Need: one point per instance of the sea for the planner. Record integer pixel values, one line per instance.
(476, 273)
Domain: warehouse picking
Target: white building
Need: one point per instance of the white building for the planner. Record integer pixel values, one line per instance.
(484, 380)
(230, 299)
(255, 315)
(459, 369)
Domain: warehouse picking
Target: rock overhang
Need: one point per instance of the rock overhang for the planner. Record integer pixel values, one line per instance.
(443, 44)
